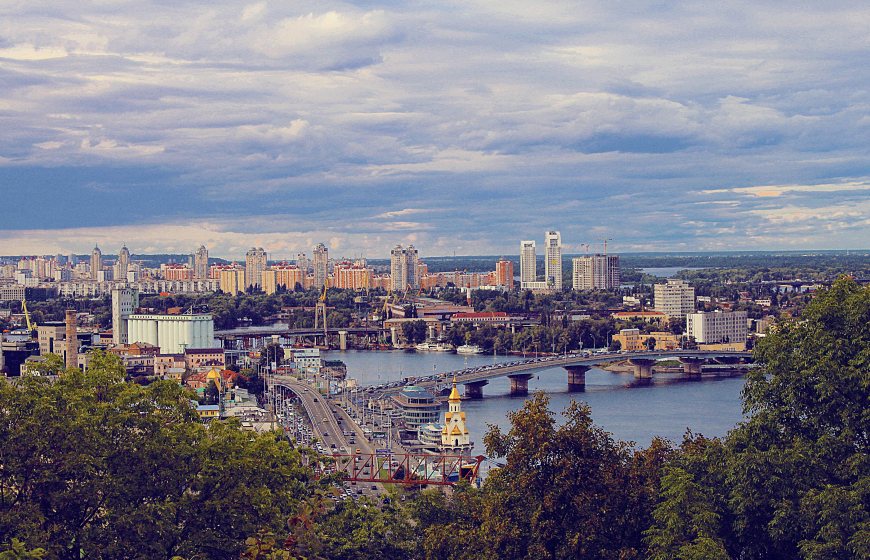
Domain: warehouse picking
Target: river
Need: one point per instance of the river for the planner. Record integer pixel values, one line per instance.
(667, 271)
(666, 407)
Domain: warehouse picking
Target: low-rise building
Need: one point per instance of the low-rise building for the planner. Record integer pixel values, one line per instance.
(307, 360)
(169, 366)
(495, 318)
(197, 359)
(645, 316)
(632, 340)
(419, 407)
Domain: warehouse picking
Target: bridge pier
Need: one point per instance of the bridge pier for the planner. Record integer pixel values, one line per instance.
(692, 366)
(643, 367)
(342, 340)
(576, 378)
(519, 384)
(474, 389)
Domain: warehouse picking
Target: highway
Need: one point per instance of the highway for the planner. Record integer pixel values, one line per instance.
(325, 417)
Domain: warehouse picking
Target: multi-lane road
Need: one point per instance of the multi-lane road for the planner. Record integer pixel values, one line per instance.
(330, 423)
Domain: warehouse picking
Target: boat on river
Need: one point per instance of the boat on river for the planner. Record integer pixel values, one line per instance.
(433, 347)
(469, 349)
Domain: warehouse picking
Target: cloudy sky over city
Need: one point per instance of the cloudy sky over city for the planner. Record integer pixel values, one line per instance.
(456, 126)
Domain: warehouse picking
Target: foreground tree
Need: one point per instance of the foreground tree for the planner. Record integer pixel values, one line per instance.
(793, 481)
(94, 467)
(568, 491)
(799, 470)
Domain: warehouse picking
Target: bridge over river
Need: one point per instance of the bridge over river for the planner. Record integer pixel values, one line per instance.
(519, 372)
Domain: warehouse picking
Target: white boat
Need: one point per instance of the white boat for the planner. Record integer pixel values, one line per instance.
(469, 349)
(433, 347)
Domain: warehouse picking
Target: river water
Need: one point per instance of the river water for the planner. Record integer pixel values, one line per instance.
(667, 271)
(666, 407)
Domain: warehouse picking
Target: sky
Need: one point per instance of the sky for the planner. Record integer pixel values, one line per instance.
(459, 126)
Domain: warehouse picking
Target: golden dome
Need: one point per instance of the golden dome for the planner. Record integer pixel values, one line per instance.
(454, 394)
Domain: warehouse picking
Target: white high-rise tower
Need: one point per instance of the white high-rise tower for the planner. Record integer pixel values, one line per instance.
(553, 259)
(528, 263)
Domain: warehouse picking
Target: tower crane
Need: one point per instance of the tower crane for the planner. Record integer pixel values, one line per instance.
(30, 325)
(605, 245)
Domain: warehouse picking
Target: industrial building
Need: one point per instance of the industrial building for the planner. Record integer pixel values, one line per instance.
(172, 333)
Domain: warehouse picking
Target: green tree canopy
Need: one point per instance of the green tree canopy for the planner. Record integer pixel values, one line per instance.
(94, 467)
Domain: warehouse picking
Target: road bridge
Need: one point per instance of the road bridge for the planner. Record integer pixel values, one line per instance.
(519, 372)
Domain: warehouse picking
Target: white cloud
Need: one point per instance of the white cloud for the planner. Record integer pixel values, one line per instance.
(553, 115)
(27, 52)
(765, 191)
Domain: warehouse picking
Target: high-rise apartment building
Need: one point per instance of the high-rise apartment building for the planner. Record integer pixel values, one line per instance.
(717, 327)
(413, 259)
(553, 259)
(528, 263)
(96, 262)
(232, 280)
(200, 263)
(302, 263)
(404, 268)
(504, 273)
(122, 266)
(176, 271)
(321, 265)
(596, 272)
(282, 276)
(351, 276)
(675, 298)
(255, 264)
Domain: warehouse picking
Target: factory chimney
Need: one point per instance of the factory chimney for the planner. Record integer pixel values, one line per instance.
(72, 343)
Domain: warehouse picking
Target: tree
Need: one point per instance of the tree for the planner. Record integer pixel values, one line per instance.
(212, 394)
(799, 467)
(99, 468)
(566, 492)
(414, 331)
(650, 343)
(686, 526)
(791, 481)
(51, 365)
(18, 551)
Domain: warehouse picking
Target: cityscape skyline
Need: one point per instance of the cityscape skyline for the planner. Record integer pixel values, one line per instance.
(666, 128)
